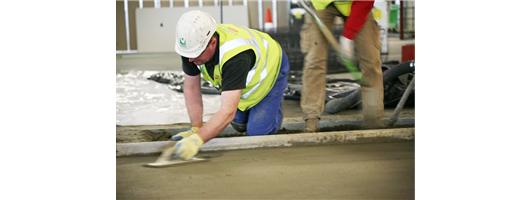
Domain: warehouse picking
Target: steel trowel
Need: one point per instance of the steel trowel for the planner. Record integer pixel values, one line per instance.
(166, 160)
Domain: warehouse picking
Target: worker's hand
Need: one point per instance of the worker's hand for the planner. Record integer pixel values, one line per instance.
(185, 134)
(188, 147)
(347, 48)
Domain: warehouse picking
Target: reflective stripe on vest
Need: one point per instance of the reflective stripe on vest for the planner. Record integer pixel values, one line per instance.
(259, 79)
(252, 72)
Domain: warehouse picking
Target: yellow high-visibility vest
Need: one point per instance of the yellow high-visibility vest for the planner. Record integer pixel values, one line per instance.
(344, 7)
(234, 39)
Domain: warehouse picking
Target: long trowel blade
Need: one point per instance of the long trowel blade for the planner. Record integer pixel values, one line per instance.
(165, 159)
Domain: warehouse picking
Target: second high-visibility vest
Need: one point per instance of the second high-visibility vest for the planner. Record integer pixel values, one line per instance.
(344, 7)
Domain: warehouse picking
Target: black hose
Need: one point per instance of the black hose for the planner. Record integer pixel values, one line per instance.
(344, 103)
(398, 70)
(355, 98)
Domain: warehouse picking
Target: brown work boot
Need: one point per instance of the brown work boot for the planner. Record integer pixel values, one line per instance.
(372, 107)
(311, 125)
(372, 124)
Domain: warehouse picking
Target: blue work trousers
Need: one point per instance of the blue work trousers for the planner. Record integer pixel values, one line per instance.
(266, 117)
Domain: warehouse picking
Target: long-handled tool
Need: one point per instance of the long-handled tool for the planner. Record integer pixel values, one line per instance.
(354, 70)
(165, 159)
(339, 104)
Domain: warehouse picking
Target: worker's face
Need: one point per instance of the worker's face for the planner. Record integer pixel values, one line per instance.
(207, 54)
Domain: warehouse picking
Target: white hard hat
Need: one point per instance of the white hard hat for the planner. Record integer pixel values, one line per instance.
(194, 30)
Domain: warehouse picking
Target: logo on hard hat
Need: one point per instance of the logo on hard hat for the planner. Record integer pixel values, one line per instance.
(182, 42)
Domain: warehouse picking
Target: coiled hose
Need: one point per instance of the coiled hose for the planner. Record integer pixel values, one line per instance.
(355, 98)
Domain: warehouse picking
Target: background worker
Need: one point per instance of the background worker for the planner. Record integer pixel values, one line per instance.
(360, 32)
(247, 66)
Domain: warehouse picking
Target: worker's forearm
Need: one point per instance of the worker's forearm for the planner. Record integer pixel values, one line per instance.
(193, 97)
(221, 119)
(216, 124)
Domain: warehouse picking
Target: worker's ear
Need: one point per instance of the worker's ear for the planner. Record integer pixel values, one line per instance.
(214, 41)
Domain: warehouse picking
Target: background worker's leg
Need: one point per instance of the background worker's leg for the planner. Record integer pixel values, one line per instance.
(315, 47)
(368, 53)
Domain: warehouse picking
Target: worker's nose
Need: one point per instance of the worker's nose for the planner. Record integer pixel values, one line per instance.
(191, 59)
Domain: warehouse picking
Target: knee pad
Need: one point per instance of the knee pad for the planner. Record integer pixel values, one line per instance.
(239, 127)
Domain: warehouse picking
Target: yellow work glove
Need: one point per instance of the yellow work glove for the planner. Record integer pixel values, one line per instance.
(188, 147)
(185, 134)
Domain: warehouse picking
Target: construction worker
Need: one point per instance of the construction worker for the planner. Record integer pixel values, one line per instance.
(247, 66)
(360, 32)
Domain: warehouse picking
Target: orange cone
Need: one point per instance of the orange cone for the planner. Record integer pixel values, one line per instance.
(268, 20)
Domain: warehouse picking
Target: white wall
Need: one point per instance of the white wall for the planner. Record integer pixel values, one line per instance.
(155, 27)
(394, 48)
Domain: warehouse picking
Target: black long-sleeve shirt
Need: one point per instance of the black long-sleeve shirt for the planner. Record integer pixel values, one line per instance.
(234, 72)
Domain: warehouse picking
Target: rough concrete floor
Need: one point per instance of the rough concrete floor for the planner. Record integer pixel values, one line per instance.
(291, 110)
(356, 171)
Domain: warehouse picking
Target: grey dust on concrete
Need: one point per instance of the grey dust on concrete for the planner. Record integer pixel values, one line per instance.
(350, 171)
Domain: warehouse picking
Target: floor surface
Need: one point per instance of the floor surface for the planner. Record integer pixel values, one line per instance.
(356, 171)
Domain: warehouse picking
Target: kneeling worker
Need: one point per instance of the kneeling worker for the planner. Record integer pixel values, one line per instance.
(247, 66)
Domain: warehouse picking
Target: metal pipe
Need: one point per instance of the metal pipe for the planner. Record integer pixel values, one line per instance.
(274, 14)
(260, 14)
(289, 13)
(401, 103)
(126, 8)
(401, 35)
(221, 8)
